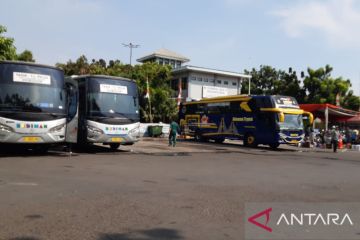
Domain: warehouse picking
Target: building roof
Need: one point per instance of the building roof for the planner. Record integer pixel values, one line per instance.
(165, 53)
(209, 70)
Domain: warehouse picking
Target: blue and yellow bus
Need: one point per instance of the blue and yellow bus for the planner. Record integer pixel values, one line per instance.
(269, 120)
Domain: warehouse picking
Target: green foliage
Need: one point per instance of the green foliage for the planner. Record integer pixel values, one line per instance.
(269, 81)
(7, 48)
(162, 106)
(26, 56)
(318, 86)
(322, 88)
(351, 102)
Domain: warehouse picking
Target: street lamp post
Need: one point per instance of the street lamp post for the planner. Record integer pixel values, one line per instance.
(131, 46)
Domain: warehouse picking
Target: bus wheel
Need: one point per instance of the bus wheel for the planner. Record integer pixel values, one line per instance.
(274, 145)
(198, 137)
(250, 140)
(219, 140)
(41, 149)
(114, 146)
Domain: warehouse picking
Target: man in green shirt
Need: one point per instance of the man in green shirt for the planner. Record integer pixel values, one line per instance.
(174, 129)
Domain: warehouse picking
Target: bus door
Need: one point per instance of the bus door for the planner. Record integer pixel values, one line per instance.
(266, 127)
(72, 115)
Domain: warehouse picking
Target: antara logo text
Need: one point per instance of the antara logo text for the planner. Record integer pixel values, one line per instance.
(301, 219)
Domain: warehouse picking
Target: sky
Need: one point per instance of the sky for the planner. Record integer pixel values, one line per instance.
(223, 34)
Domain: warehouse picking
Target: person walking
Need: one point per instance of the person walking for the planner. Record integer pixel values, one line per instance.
(174, 129)
(335, 138)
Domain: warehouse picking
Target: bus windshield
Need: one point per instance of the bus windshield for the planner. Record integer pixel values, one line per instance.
(111, 98)
(112, 105)
(31, 91)
(292, 121)
(32, 98)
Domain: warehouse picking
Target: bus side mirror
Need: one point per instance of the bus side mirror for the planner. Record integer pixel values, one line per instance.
(281, 117)
(310, 116)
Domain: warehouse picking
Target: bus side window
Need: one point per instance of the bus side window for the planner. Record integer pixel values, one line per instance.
(201, 109)
(72, 101)
(235, 107)
(266, 118)
(213, 109)
(253, 105)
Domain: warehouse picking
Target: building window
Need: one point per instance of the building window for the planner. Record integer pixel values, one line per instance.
(218, 81)
(184, 82)
(199, 79)
(178, 64)
(161, 62)
(226, 83)
(172, 63)
(174, 84)
(211, 80)
(234, 83)
(193, 78)
(206, 80)
(166, 61)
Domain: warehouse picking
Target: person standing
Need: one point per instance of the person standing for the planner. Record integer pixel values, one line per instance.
(174, 129)
(348, 137)
(335, 138)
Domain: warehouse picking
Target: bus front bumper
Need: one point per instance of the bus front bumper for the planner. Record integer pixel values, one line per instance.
(288, 139)
(31, 138)
(108, 139)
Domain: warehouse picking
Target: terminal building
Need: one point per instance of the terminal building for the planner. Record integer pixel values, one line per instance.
(194, 83)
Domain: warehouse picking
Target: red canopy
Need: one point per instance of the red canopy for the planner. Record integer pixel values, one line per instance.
(355, 119)
(336, 114)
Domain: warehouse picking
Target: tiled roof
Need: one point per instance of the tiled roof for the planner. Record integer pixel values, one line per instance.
(165, 53)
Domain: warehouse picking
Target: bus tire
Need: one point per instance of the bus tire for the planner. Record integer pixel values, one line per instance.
(219, 140)
(114, 146)
(250, 140)
(274, 145)
(198, 137)
(41, 148)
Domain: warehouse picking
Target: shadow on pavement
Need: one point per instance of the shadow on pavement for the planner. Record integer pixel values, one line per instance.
(237, 145)
(150, 234)
(23, 151)
(24, 238)
(13, 150)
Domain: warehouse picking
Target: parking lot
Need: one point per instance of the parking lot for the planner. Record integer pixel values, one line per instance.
(151, 191)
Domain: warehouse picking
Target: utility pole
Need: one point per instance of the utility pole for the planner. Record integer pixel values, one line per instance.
(131, 46)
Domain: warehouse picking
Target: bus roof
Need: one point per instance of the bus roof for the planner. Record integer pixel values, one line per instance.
(242, 97)
(101, 76)
(222, 99)
(30, 63)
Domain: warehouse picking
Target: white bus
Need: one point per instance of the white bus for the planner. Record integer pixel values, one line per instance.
(33, 105)
(104, 109)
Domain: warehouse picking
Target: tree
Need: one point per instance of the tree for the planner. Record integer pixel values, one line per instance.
(262, 80)
(163, 107)
(26, 56)
(320, 87)
(351, 102)
(8, 49)
(268, 80)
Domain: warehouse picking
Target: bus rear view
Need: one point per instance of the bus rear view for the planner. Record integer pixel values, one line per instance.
(108, 110)
(32, 104)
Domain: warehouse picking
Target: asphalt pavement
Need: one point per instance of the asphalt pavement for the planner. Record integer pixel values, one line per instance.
(150, 191)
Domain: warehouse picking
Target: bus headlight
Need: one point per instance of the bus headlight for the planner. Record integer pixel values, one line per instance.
(134, 132)
(94, 130)
(58, 128)
(6, 128)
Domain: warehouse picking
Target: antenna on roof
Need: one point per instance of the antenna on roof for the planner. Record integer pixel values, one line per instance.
(131, 46)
